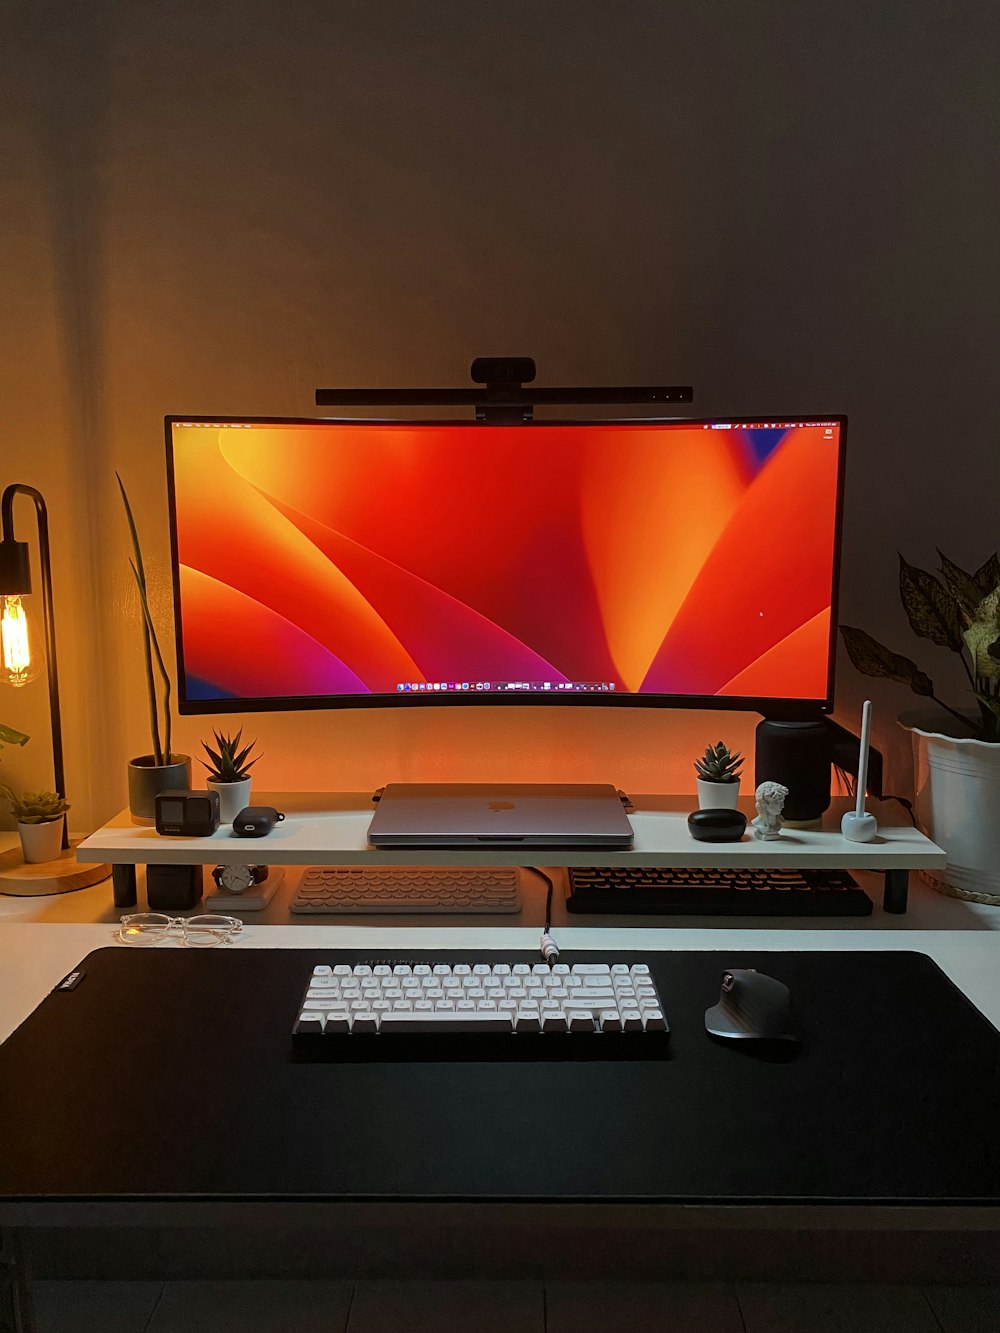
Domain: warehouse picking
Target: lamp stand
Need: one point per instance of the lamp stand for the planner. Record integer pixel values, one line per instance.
(65, 874)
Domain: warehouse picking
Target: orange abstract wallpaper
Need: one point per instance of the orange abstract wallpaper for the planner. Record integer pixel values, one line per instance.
(324, 558)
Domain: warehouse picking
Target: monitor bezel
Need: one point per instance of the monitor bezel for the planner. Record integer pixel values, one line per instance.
(779, 708)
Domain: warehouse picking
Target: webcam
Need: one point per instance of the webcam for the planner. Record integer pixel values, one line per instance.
(503, 370)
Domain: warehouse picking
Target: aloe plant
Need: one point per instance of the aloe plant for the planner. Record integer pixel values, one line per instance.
(720, 764)
(229, 762)
(150, 645)
(35, 807)
(959, 611)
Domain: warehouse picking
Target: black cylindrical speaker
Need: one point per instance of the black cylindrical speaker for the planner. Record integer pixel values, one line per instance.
(798, 755)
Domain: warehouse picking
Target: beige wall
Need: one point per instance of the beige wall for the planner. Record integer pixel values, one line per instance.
(216, 208)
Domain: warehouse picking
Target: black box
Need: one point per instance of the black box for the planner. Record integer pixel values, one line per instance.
(173, 888)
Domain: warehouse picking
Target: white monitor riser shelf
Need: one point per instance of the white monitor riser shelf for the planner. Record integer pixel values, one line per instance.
(330, 828)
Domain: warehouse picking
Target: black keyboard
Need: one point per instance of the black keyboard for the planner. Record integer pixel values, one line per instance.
(701, 891)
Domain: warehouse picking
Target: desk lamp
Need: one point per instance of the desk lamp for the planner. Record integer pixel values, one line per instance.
(22, 661)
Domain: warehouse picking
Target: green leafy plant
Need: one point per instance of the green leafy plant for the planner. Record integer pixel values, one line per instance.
(150, 645)
(958, 611)
(720, 764)
(36, 807)
(229, 762)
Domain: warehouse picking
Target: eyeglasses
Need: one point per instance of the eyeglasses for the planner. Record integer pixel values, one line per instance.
(202, 931)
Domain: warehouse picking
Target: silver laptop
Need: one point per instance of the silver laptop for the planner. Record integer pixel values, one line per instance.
(504, 814)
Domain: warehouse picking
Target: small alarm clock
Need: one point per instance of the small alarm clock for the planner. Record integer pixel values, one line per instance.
(187, 814)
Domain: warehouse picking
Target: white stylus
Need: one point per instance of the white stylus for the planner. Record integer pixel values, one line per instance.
(857, 824)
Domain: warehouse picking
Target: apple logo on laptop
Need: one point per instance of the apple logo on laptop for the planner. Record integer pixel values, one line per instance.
(497, 806)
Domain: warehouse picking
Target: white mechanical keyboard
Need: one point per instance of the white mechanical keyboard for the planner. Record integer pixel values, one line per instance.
(534, 1010)
(326, 889)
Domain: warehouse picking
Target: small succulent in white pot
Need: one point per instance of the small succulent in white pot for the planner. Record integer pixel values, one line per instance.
(718, 777)
(229, 772)
(40, 816)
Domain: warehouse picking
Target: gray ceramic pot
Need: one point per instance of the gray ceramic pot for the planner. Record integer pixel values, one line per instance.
(146, 778)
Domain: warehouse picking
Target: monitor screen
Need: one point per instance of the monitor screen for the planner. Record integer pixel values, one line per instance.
(321, 563)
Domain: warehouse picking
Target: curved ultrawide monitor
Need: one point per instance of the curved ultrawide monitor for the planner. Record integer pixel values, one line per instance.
(676, 562)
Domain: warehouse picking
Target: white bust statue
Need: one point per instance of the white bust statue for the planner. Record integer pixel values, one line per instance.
(769, 798)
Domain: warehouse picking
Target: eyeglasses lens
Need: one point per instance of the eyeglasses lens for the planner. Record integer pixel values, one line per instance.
(204, 931)
(143, 928)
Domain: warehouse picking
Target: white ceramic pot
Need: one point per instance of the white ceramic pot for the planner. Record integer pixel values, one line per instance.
(41, 842)
(233, 797)
(957, 783)
(718, 795)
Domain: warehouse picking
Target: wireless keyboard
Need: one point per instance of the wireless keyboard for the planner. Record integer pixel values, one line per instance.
(326, 889)
(480, 1011)
(701, 891)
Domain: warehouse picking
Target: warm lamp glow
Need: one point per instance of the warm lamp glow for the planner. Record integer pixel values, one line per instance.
(20, 656)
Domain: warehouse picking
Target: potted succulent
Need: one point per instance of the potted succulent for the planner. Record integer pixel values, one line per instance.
(956, 753)
(40, 816)
(718, 778)
(228, 773)
(162, 770)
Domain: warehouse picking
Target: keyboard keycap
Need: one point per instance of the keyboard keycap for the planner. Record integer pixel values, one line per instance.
(446, 1022)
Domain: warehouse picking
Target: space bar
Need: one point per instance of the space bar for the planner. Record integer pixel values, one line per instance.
(445, 1022)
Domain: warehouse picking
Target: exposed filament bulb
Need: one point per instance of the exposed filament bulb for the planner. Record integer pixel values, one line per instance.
(20, 656)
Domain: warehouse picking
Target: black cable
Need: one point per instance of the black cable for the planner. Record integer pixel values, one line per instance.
(850, 783)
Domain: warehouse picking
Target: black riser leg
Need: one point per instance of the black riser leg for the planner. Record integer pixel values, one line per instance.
(123, 886)
(894, 894)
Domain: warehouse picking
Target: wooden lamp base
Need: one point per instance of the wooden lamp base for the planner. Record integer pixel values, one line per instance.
(20, 880)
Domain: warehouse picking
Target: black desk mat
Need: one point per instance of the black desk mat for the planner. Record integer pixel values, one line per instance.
(168, 1072)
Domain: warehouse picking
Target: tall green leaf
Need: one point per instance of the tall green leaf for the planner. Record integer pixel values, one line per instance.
(987, 576)
(933, 613)
(8, 736)
(139, 571)
(982, 636)
(872, 659)
(151, 645)
(963, 587)
(161, 666)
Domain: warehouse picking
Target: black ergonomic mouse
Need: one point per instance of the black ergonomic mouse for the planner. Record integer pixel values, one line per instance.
(751, 1005)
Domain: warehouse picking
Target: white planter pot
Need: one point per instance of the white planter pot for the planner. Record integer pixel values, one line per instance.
(957, 783)
(717, 795)
(233, 797)
(41, 842)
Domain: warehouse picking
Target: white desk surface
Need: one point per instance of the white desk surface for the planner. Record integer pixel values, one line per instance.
(330, 828)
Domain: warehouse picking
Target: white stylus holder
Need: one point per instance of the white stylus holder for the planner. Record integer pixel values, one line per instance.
(858, 825)
(859, 828)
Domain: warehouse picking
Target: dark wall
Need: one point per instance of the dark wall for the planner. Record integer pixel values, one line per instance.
(216, 208)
